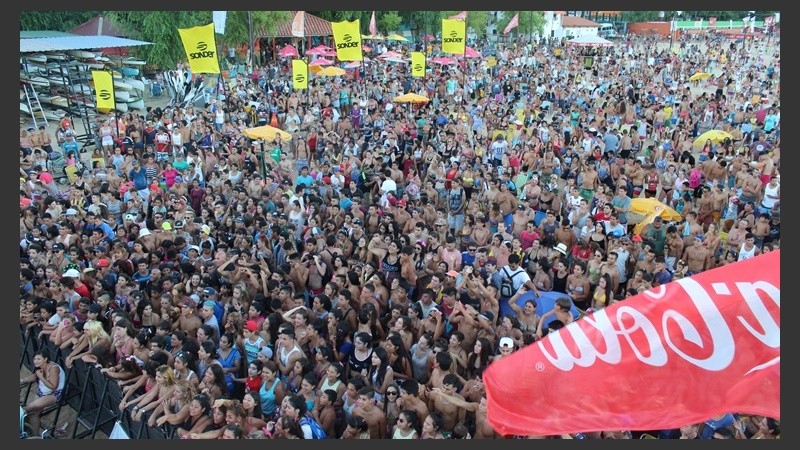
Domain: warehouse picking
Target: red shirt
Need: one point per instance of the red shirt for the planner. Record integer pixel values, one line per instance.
(582, 254)
(81, 289)
(46, 177)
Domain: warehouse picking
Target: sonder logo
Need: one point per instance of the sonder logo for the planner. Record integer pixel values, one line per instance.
(417, 67)
(453, 37)
(104, 94)
(348, 42)
(299, 78)
(202, 51)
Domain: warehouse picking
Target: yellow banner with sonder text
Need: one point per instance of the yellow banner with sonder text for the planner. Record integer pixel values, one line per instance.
(201, 48)
(417, 64)
(347, 36)
(104, 89)
(299, 74)
(454, 36)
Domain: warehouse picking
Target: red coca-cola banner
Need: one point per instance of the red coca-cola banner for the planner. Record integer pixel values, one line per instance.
(672, 356)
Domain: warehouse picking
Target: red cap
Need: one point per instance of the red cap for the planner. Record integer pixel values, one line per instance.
(636, 238)
(401, 202)
(102, 262)
(251, 325)
(392, 200)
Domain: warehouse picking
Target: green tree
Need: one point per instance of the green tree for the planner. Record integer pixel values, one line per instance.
(53, 20)
(387, 21)
(237, 26)
(476, 21)
(530, 22)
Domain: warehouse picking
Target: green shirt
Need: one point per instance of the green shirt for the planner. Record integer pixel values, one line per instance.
(275, 153)
(180, 165)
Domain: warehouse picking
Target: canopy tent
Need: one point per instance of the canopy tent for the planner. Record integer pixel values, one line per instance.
(590, 41)
(54, 44)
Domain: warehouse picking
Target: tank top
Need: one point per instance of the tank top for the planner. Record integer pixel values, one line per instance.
(391, 270)
(560, 284)
(419, 364)
(327, 385)
(348, 407)
(356, 365)
(455, 199)
(251, 349)
(397, 435)
(746, 254)
(268, 401)
(285, 356)
(769, 191)
(44, 390)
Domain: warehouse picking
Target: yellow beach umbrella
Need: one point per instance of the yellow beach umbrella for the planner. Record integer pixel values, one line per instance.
(647, 206)
(411, 98)
(396, 37)
(716, 136)
(267, 133)
(331, 71)
(700, 76)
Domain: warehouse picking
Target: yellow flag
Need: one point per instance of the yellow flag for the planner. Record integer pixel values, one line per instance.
(104, 89)
(201, 48)
(417, 64)
(299, 74)
(454, 36)
(347, 36)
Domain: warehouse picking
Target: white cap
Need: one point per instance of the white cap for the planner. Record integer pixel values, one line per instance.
(71, 212)
(506, 342)
(72, 273)
(144, 232)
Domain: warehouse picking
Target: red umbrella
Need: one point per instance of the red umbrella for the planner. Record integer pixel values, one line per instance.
(430, 37)
(470, 52)
(288, 51)
(320, 50)
(443, 61)
(321, 62)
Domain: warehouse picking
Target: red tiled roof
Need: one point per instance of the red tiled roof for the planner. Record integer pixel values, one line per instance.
(575, 22)
(314, 27)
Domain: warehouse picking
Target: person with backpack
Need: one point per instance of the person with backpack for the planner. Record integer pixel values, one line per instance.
(512, 277)
(296, 408)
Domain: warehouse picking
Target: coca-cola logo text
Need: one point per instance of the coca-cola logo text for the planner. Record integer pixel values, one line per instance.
(652, 343)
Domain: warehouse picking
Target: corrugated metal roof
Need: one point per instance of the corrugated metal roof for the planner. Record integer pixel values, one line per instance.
(75, 43)
(42, 34)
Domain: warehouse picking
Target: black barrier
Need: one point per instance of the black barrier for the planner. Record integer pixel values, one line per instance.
(94, 397)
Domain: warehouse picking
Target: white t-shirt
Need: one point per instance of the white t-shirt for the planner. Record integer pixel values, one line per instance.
(518, 277)
(388, 185)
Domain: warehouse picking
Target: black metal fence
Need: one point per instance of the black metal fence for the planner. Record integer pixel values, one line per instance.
(94, 397)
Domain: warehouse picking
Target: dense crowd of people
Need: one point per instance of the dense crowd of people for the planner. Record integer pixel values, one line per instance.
(355, 281)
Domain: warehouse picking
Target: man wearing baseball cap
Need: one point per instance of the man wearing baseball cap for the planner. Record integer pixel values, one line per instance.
(504, 348)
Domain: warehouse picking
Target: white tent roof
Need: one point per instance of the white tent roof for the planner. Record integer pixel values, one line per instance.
(51, 44)
(590, 41)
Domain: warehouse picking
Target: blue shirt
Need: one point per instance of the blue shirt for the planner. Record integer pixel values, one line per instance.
(304, 179)
(139, 179)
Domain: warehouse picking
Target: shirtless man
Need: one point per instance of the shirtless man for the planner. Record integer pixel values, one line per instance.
(609, 266)
(673, 248)
(452, 414)
(751, 187)
(299, 273)
(590, 181)
(705, 206)
(637, 175)
(188, 321)
(697, 256)
(522, 216)
(737, 235)
(409, 399)
(373, 416)
(483, 429)
(695, 228)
